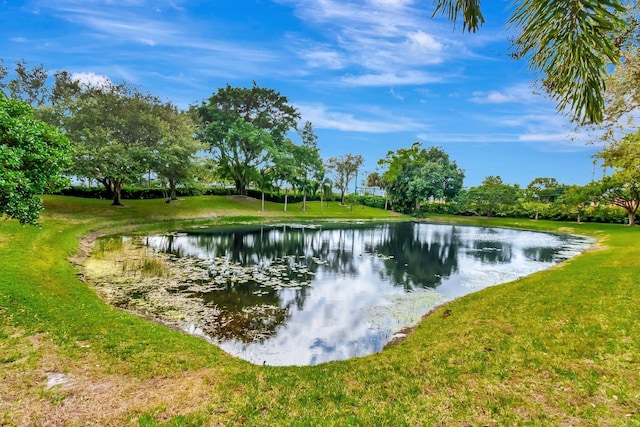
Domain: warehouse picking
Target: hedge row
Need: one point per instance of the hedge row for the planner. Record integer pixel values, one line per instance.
(143, 193)
(604, 214)
(159, 193)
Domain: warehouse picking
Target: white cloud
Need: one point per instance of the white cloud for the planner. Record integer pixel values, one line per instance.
(375, 41)
(548, 137)
(148, 42)
(92, 80)
(455, 137)
(421, 43)
(126, 26)
(515, 94)
(323, 118)
(391, 79)
(328, 59)
(396, 95)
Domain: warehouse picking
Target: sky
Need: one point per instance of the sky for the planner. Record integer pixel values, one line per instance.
(371, 75)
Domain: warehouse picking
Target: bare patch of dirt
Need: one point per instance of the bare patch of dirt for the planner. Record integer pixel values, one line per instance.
(49, 389)
(85, 248)
(597, 247)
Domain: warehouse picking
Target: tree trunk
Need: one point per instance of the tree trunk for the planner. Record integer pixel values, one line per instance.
(107, 186)
(304, 201)
(632, 219)
(117, 187)
(240, 187)
(172, 190)
(537, 214)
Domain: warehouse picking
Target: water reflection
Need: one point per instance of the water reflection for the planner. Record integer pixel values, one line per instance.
(297, 295)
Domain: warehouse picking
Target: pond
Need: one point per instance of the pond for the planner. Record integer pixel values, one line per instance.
(292, 294)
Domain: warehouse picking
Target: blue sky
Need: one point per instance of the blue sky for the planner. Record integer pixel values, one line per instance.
(372, 75)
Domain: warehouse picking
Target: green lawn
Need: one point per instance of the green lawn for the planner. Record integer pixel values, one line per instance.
(561, 347)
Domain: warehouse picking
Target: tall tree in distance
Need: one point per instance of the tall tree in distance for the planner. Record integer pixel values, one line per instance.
(115, 131)
(309, 167)
(30, 84)
(175, 154)
(242, 128)
(577, 197)
(344, 169)
(416, 174)
(492, 196)
(541, 192)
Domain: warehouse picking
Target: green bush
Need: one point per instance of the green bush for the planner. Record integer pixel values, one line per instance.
(602, 214)
(144, 193)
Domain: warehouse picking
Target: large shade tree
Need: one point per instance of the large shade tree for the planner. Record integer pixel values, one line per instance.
(576, 198)
(541, 192)
(33, 156)
(570, 43)
(493, 196)
(414, 175)
(115, 130)
(243, 128)
(622, 188)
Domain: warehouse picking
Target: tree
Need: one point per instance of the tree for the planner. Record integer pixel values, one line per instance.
(570, 42)
(374, 180)
(115, 131)
(577, 197)
(30, 84)
(416, 174)
(344, 169)
(33, 156)
(622, 188)
(243, 128)
(175, 153)
(542, 192)
(308, 168)
(240, 150)
(4, 71)
(492, 195)
(622, 93)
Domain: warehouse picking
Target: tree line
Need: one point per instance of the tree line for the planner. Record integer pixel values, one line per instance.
(416, 180)
(114, 134)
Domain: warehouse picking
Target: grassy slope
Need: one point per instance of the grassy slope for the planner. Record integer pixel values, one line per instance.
(560, 347)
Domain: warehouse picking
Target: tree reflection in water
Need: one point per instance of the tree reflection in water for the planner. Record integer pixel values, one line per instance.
(310, 294)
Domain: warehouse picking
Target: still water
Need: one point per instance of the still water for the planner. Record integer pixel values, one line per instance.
(303, 295)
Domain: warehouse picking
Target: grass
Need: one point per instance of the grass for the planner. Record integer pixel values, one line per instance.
(560, 347)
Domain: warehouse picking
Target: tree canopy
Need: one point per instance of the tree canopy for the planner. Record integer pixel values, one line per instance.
(33, 155)
(492, 195)
(344, 168)
(120, 133)
(243, 129)
(622, 188)
(415, 175)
